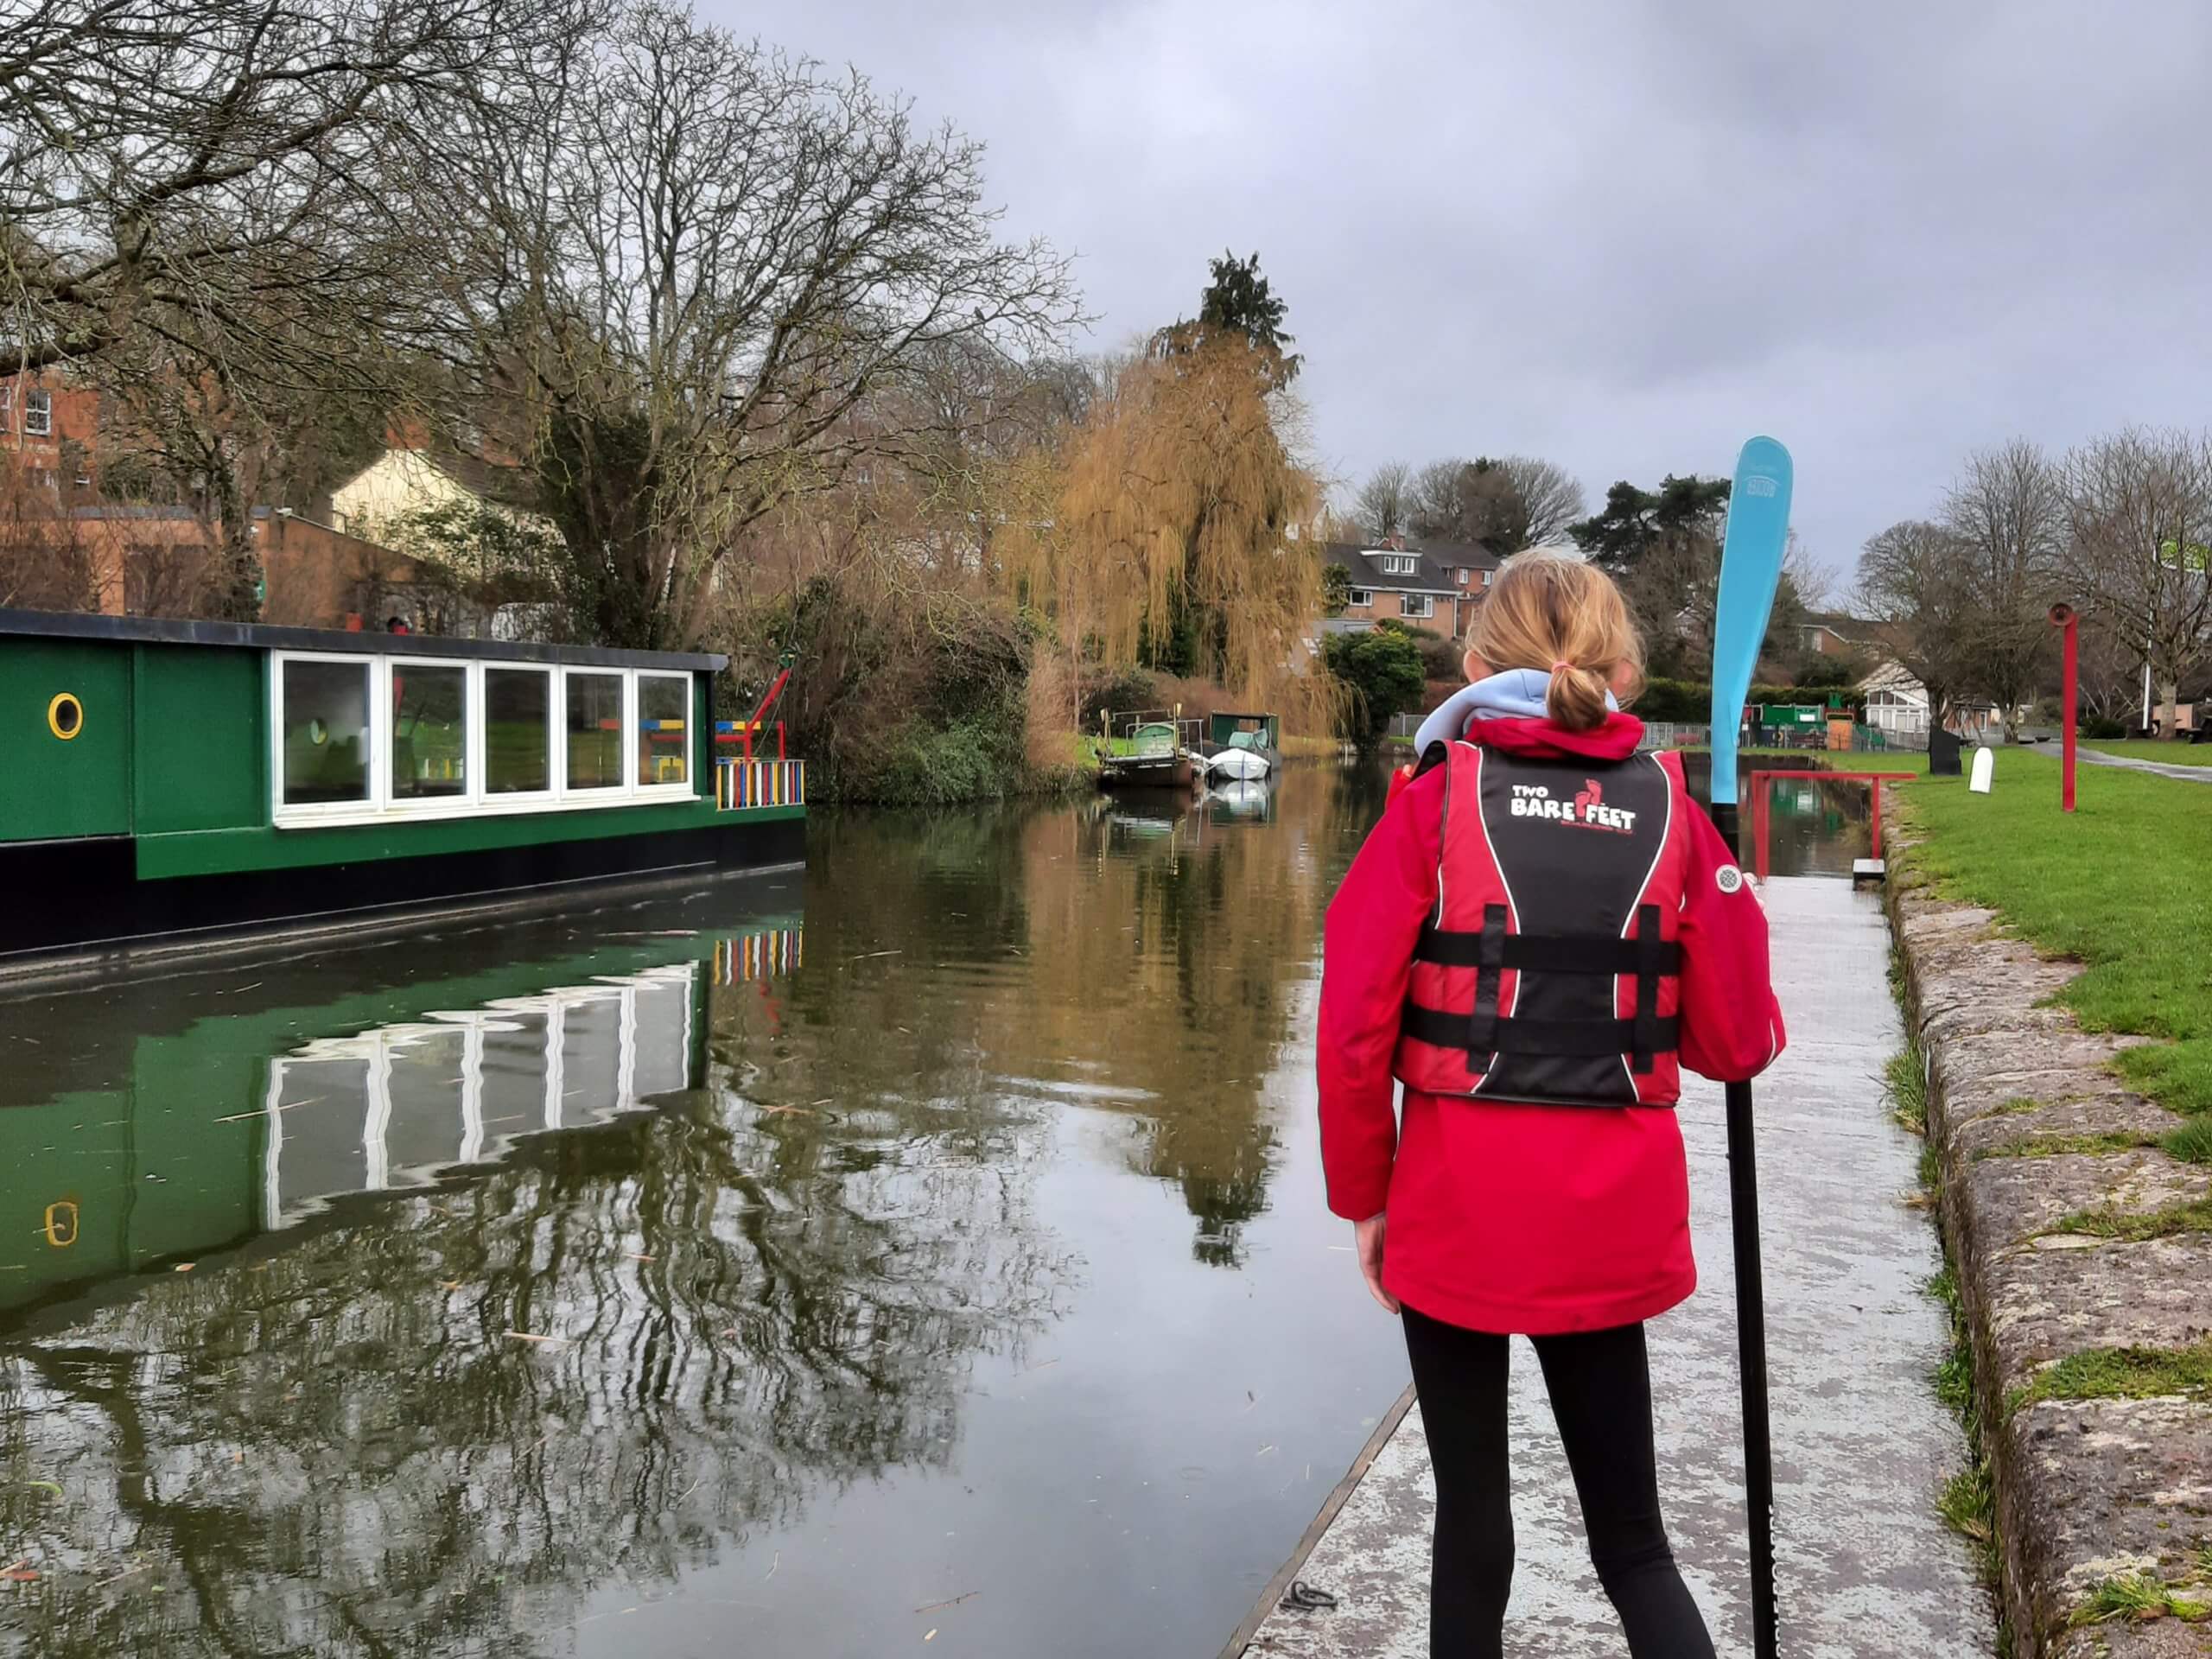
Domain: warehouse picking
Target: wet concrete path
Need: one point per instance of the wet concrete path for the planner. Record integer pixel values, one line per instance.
(1867, 1567)
(2131, 763)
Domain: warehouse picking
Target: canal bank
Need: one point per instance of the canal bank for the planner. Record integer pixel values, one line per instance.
(1865, 1566)
(2073, 1205)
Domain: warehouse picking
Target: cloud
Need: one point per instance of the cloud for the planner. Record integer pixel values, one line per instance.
(1624, 236)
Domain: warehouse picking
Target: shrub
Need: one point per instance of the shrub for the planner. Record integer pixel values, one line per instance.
(1381, 671)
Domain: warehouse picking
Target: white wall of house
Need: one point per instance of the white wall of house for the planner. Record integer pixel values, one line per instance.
(397, 483)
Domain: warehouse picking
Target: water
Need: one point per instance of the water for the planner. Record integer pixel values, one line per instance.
(799, 1266)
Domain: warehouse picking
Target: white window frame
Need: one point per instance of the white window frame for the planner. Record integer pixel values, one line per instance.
(663, 791)
(372, 737)
(382, 807)
(1461, 575)
(1360, 598)
(480, 744)
(38, 413)
(626, 760)
(1426, 602)
(472, 740)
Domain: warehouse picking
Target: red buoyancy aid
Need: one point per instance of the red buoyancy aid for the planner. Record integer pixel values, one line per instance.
(1549, 970)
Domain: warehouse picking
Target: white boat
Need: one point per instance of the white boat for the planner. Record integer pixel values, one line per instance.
(1237, 765)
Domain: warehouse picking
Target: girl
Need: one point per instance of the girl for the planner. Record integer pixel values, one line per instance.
(1541, 929)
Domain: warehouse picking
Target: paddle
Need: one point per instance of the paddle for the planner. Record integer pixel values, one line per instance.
(1751, 565)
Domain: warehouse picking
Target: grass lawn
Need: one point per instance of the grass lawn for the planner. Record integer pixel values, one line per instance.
(2124, 885)
(1750, 761)
(2149, 748)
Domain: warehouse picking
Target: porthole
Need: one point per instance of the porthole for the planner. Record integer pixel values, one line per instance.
(65, 716)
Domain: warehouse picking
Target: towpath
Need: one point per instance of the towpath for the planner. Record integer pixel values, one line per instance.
(1867, 1567)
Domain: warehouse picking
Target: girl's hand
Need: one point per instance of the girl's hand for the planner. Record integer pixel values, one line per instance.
(1368, 1236)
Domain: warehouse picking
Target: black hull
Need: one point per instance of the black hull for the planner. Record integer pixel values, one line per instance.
(74, 898)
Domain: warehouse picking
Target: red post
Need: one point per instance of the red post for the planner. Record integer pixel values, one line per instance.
(2061, 616)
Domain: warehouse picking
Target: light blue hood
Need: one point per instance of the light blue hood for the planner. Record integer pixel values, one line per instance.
(1517, 694)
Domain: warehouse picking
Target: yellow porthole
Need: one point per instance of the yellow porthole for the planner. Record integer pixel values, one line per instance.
(64, 715)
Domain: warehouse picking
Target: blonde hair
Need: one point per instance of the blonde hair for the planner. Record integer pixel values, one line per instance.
(1564, 618)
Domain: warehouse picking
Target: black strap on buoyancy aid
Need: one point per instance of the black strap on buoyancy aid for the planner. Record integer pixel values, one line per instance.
(1644, 958)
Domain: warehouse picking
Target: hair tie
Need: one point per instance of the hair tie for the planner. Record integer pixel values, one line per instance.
(1562, 666)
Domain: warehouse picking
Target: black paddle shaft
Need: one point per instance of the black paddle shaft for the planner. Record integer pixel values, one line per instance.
(1751, 1330)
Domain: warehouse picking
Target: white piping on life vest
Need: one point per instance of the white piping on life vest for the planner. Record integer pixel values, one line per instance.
(1666, 829)
(1512, 910)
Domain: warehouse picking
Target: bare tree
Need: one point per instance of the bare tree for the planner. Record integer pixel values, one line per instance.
(697, 274)
(1436, 497)
(1385, 504)
(238, 179)
(1504, 505)
(2140, 517)
(1551, 498)
(1916, 579)
(2009, 511)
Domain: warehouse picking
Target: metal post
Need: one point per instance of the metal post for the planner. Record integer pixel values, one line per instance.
(1875, 851)
(2061, 616)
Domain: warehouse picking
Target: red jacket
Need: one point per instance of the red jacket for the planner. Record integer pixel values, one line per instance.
(1517, 1217)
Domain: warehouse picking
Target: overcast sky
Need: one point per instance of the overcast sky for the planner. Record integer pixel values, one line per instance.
(1624, 234)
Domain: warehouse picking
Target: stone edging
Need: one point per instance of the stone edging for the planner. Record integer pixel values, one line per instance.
(2086, 1490)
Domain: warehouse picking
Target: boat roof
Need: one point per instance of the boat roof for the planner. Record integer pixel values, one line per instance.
(256, 636)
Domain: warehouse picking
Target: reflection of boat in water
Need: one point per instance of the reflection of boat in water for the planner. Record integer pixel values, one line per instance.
(218, 1128)
(1242, 799)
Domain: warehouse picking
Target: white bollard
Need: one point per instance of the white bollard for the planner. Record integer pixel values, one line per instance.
(1985, 766)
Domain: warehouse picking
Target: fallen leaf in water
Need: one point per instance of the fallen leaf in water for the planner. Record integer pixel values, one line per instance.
(635, 1256)
(186, 1266)
(19, 1575)
(449, 1284)
(932, 1636)
(530, 1336)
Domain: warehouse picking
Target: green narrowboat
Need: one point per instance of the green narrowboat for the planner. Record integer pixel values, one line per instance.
(166, 781)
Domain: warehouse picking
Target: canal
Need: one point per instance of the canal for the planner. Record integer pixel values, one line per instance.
(929, 1249)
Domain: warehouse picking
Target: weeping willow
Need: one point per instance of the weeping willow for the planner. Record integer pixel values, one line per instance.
(1165, 533)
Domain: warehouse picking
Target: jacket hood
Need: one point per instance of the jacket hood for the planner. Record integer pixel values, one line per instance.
(1541, 740)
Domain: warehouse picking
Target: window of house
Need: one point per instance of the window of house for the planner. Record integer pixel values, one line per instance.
(1361, 598)
(1487, 575)
(323, 731)
(38, 413)
(1416, 604)
(1461, 575)
(664, 730)
(595, 746)
(430, 731)
(518, 731)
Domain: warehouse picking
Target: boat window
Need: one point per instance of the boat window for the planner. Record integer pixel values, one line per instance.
(325, 714)
(430, 731)
(518, 731)
(664, 730)
(594, 706)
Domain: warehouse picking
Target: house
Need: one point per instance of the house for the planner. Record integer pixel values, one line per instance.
(48, 432)
(1896, 706)
(1832, 634)
(1438, 588)
(415, 474)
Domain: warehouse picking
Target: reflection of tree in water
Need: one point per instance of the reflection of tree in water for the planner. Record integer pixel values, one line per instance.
(1124, 956)
(350, 1447)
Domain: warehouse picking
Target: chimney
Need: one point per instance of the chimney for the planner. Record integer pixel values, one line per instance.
(1397, 543)
(406, 432)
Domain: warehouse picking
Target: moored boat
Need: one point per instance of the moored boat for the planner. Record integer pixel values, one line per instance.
(168, 781)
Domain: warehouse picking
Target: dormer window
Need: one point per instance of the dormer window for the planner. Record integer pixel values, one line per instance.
(1398, 564)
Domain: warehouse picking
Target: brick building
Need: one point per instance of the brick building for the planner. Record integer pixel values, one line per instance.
(1438, 587)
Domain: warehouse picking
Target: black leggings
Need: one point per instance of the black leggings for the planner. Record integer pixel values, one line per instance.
(1600, 1386)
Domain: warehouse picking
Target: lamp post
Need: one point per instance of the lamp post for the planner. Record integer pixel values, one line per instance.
(2061, 616)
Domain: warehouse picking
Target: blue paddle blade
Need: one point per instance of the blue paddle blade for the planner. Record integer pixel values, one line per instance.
(1751, 566)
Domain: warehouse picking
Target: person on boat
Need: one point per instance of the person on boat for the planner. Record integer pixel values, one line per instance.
(1541, 932)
